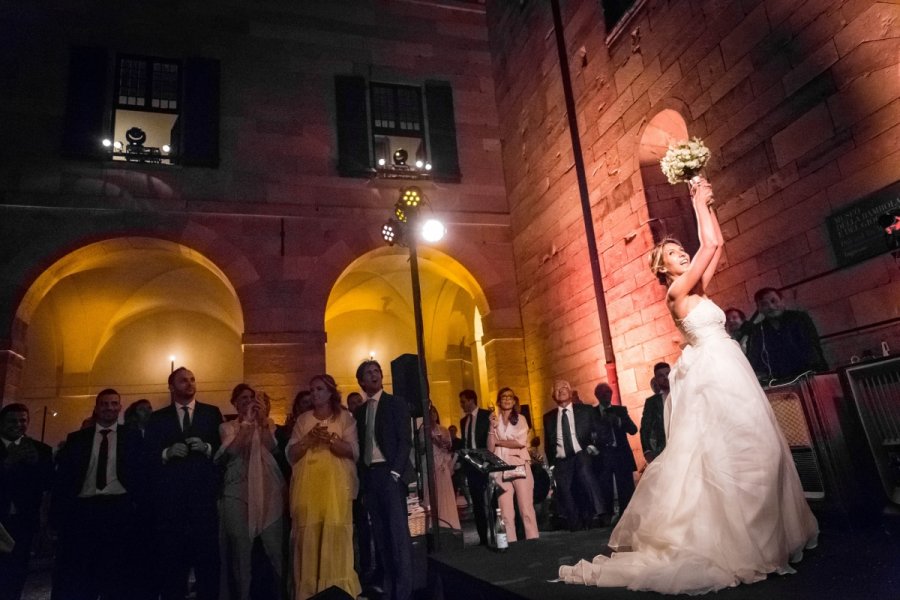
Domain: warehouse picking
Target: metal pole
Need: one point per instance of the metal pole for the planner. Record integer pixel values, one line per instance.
(44, 424)
(423, 384)
(581, 176)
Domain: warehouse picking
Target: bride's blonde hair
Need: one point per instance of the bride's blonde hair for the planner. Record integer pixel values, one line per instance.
(656, 258)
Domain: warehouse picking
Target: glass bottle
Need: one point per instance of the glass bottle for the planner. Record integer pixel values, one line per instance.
(502, 542)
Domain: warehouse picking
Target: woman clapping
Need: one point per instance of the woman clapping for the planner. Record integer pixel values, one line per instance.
(323, 450)
(252, 503)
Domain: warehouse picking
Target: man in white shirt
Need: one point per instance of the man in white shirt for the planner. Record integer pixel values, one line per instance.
(93, 505)
(569, 431)
(383, 424)
(182, 438)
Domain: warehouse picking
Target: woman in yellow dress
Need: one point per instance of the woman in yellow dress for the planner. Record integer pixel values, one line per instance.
(323, 451)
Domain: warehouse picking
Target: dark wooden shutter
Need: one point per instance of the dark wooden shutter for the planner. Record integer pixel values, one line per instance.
(85, 103)
(354, 156)
(441, 131)
(199, 118)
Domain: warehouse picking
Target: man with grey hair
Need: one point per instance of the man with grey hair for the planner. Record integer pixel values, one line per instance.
(569, 432)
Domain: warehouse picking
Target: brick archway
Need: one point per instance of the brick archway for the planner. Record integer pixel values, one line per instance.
(668, 206)
(110, 314)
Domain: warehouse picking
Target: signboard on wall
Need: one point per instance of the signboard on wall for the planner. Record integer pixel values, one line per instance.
(855, 233)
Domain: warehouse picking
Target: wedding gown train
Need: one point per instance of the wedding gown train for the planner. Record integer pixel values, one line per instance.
(722, 505)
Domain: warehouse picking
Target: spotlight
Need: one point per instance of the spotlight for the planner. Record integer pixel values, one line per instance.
(166, 148)
(117, 145)
(420, 164)
(428, 166)
(412, 196)
(398, 212)
(433, 230)
(106, 143)
(389, 232)
(400, 156)
(381, 162)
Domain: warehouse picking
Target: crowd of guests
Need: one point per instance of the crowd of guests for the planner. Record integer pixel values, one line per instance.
(181, 498)
(181, 501)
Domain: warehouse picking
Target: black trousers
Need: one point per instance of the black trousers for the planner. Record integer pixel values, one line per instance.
(14, 566)
(96, 549)
(614, 466)
(385, 499)
(478, 482)
(575, 476)
(184, 543)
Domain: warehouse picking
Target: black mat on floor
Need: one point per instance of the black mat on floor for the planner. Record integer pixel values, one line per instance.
(850, 564)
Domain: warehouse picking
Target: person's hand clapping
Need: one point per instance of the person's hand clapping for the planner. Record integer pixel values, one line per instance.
(177, 450)
(195, 444)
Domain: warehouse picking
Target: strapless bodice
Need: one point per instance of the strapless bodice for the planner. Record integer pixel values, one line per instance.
(704, 323)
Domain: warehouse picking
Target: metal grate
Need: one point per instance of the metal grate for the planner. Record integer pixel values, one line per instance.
(876, 393)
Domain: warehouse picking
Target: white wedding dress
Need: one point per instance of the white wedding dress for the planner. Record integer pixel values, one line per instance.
(722, 505)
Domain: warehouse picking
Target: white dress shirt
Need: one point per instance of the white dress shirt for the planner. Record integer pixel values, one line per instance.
(113, 485)
(570, 415)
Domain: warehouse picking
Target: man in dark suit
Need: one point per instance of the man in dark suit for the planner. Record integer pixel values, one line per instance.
(98, 473)
(653, 427)
(616, 459)
(475, 425)
(182, 438)
(569, 434)
(26, 469)
(383, 423)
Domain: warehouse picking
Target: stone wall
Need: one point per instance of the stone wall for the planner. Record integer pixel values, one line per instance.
(796, 100)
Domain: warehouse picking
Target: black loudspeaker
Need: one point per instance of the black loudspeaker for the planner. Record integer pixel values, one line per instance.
(405, 375)
(332, 593)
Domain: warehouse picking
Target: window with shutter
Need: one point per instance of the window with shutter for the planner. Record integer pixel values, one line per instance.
(396, 131)
(146, 108)
(162, 110)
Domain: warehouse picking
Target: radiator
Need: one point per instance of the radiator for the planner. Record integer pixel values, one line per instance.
(875, 391)
(788, 408)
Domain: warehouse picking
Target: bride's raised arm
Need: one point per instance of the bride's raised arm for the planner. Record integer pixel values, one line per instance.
(720, 241)
(704, 262)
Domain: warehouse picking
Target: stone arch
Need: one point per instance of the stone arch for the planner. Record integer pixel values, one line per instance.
(668, 206)
(369, 311)
(110, 314)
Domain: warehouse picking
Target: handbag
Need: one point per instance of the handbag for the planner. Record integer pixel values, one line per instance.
(513, 474)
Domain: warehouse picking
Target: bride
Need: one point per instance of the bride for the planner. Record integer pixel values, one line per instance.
(722, 505)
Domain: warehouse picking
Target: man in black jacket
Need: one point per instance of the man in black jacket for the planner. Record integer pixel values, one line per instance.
(617, 462)
(182, 438)
(94, 495)
(475, 425)
(384, 428)
(653, 427)
(26, 470)
(569, 433)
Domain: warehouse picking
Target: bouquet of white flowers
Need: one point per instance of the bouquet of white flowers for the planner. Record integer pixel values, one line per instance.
(684, 160)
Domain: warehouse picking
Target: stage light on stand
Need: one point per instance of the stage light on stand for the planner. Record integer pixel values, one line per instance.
(404, 229)
(117, 145)
(381, 162)
(166, 148)
(106, 143)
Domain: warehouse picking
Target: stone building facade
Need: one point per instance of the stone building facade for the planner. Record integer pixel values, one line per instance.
(264, 244)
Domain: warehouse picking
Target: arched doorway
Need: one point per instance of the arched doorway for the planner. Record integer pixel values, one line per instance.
(370, 313)
(112, 314)
(669, 206)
